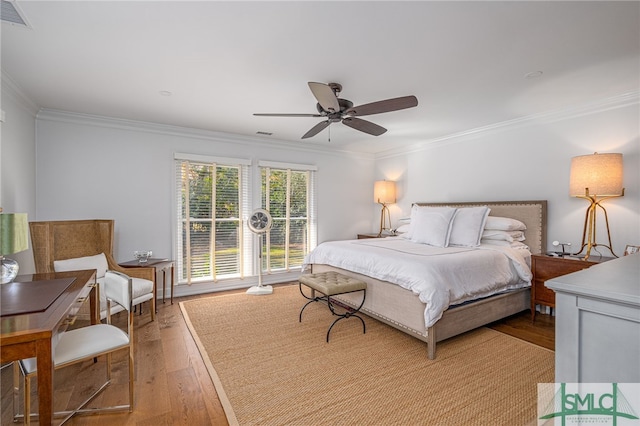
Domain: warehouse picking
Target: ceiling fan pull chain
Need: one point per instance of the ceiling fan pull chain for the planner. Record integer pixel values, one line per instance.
(329, 133)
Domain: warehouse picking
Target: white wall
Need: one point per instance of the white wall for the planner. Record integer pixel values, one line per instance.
(529, 160)
(90, 167)
(94, 167)
(17, 161)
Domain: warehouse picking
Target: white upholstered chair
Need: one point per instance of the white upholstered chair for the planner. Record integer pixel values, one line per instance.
(86, 343)
(142, 289)
(64, 245)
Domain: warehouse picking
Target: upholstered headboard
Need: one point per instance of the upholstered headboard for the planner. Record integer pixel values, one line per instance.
(532, 213)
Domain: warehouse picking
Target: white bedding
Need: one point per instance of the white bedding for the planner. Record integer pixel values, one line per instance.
(440, 276)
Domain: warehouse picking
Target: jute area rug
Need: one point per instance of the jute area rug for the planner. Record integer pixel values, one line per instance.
(269, 369)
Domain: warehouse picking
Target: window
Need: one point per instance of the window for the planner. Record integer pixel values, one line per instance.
(214, 201)
(287, 191)
(212, 198)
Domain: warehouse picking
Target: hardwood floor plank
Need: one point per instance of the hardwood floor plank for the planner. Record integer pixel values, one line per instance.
(541, 332)
(187, 404)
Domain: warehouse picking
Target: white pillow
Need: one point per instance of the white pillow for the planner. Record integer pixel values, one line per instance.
(514, 245)
(504, 224)
(403, 229)
(468, 225)
(97, 262)
(511, 236)
(432, 225)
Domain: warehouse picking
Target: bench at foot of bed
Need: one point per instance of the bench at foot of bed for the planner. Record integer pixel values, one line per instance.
(332, 284)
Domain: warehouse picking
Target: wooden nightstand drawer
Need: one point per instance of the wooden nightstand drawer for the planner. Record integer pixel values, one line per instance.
(547, 267)
(363, 236)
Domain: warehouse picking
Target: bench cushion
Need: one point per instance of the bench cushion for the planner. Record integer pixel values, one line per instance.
(331, 283)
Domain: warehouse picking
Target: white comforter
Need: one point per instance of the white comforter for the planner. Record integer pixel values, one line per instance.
(440, 276)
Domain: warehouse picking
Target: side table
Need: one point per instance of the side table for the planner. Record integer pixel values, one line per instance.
(364, 236)
(157, 265)
(547, 267)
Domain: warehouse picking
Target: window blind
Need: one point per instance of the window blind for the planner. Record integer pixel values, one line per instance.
(212, 201)
(288, 194)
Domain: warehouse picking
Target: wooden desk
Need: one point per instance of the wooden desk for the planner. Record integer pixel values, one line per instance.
(31, 335)
(157, 265)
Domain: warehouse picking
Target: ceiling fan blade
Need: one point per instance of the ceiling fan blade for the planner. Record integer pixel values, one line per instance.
(316, 129)
(325, 96)
(287, 115)
(387, 105)
(364, 126)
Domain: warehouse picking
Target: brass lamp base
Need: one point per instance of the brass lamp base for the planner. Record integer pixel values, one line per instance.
(589, 230)
(384, 218)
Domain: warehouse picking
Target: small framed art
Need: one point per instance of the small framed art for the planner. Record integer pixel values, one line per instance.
(631, 249)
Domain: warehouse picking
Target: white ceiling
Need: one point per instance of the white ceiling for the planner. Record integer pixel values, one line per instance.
(222, 61)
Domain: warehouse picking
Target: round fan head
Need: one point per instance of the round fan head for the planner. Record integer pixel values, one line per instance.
(260, 221)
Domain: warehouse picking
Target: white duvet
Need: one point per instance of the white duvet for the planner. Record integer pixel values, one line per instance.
(440, 276)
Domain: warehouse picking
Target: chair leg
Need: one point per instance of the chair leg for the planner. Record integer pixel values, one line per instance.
(27, 400)
(17, 372)
(108, 356)
(153, 309)
(16, 388)
(131, 379)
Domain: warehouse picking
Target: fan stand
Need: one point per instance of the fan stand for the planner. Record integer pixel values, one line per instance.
(258, 290)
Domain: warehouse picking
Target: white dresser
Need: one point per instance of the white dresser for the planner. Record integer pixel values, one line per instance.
(598, 323)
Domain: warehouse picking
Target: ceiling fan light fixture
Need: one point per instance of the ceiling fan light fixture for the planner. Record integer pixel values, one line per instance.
(533, 74)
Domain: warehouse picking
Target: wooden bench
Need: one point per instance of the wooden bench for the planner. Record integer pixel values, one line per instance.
(331, 284)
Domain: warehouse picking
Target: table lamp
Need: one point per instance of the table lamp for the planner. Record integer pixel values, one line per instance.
(14, 238)
(595, 178)
(384, 192)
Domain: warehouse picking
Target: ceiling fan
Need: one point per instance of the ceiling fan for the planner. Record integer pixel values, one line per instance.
(336, 109)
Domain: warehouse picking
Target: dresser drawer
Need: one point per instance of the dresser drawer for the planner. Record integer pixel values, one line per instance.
(72, 313)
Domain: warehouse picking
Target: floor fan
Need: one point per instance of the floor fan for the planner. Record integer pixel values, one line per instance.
(259, 223)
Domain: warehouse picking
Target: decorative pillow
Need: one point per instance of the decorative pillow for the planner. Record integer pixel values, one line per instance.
(432, 225)
(97, 262)
(468, 225)
(511, 236)
(504, 224)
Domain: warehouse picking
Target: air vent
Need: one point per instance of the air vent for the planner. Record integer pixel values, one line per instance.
(264, 133)
(9, 12)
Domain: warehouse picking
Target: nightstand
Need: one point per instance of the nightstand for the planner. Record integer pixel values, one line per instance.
(546, 267)
(363, 236)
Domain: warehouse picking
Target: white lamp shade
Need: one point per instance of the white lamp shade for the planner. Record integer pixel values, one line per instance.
(384, 192)
(596, 175)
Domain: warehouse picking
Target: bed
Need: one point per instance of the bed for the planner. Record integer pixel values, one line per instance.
(404, 306)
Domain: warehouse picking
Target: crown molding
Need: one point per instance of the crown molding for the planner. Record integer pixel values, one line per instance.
(46, 114)
(11, 88)
(603, 105)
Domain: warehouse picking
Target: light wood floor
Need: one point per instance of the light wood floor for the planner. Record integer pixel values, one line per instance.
(172, 383)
